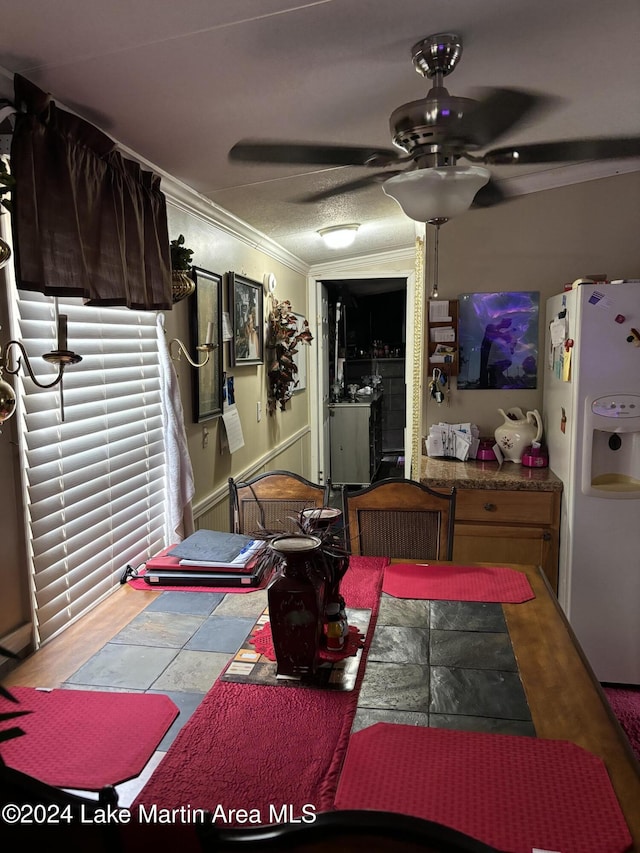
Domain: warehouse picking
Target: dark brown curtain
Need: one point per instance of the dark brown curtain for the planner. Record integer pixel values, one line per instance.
(86, 221)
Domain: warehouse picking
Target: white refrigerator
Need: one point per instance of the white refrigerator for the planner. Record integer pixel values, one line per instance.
(591, 417)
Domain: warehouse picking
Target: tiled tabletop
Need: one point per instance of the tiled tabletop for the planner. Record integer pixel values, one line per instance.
(443, 664)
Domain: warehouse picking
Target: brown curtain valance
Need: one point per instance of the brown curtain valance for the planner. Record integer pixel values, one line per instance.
(86, 221)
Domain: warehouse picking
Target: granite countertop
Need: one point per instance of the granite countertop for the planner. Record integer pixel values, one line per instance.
(438, 472)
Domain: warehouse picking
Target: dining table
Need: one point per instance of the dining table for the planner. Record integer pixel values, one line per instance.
(565, 699)
(464, 666)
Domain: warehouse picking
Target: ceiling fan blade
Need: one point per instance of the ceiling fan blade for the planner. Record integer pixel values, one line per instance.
(497, 113)
(568, 150)
(489, 195)
(312, 154)
(350, 187)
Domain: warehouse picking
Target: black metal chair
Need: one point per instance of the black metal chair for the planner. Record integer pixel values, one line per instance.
(347, 832)
(273, 501)
(401, 519)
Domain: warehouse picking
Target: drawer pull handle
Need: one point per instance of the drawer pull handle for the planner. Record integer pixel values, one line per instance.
(490, 507)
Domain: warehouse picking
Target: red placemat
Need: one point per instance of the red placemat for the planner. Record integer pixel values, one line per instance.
(263, 641)
(514, 793)
(457, 583)
(84, 738)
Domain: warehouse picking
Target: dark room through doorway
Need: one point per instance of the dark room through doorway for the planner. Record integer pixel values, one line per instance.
(367, 324)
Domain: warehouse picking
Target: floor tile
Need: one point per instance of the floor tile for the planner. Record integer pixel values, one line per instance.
(400, 645)
(366, 717)
(476, 692)
(243, 604)
(403, 611)
(159, 629)
(391, 685)
(124, 667)
(490, 725)
(221, 634)
(193, 603)
(186, 704)
(191, 672)
(100, 688)
(467, 616)
(472, 650)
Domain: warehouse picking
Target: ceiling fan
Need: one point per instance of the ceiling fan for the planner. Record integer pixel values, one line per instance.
(431, 135)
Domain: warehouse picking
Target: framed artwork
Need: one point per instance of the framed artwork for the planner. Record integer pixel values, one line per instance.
(205, 318)
(300, 358)
(498, 335)
(246, 310)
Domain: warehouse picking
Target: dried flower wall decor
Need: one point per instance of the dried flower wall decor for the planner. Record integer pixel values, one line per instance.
(283, 338)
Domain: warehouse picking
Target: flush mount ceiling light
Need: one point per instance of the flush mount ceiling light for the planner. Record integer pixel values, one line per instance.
(339, 236)
(438, 193)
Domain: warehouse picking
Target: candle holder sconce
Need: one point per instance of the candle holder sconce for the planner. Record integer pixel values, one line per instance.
(207, 347)
(60, 356)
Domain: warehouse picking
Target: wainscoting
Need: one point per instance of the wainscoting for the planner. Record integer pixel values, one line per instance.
(294, 455)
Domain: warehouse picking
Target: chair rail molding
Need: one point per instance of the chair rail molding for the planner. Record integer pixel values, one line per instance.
(221, 493)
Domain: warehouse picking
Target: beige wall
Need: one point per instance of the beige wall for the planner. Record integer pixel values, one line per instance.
(536, 242)
(220, 252)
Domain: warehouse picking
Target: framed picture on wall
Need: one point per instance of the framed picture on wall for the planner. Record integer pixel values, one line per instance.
(498, 335)
(205, 322)
(246, 310)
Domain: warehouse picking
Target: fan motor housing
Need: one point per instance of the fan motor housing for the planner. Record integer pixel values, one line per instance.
(429, 123)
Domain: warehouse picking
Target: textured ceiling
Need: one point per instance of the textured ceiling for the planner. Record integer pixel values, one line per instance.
(180, 83)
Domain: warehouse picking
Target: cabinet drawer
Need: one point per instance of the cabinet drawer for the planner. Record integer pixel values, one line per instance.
(497, 506)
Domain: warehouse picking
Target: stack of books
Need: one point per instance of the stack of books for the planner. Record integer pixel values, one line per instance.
(208, 558)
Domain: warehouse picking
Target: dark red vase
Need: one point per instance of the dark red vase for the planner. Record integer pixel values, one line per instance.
(296, 598)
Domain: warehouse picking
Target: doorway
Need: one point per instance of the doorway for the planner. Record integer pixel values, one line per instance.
(367, 345)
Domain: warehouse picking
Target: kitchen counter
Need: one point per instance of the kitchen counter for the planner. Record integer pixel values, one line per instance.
(438, 472)
(362, 400)
(509, 513)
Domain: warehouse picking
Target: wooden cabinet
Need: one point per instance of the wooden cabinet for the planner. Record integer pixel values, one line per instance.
(507, 525)
(355, 441)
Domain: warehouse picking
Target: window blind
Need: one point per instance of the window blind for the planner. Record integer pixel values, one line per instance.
(93, 483)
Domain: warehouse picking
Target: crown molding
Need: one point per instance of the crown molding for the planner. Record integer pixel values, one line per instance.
(362, 266)
(188, 200)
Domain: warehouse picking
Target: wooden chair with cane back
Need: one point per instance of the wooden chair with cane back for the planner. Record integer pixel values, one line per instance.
(400, 519)
(273, 501)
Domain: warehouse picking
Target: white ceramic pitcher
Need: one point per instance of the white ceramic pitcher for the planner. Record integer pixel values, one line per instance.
(517, 432)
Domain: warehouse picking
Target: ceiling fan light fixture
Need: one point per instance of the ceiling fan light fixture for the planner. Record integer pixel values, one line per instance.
(437, 193)
(339, 236)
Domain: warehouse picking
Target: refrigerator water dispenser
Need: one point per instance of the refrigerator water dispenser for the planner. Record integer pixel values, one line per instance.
(611, 448)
